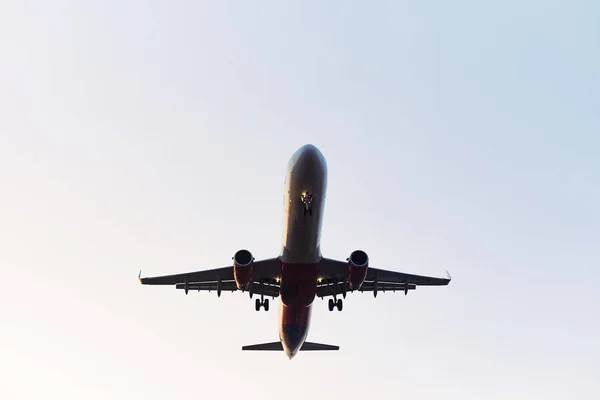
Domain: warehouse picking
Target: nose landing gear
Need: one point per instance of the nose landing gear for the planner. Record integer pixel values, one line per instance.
(306, 200)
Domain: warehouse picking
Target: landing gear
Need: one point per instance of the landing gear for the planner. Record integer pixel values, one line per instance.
(336, 304)
(306, 200)
(264, 303)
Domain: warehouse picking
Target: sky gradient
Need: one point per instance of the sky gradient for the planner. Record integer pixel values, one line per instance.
(154, 136)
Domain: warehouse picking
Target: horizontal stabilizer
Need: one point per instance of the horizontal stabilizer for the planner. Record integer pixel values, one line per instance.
(277, 346)
(274, 346)
(308, 346)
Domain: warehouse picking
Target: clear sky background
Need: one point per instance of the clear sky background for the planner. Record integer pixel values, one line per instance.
(155, 135)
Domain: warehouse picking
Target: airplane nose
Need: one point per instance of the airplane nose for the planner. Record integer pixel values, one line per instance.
(310, 147)
(310, 155)
(310, 150)
(308, 162)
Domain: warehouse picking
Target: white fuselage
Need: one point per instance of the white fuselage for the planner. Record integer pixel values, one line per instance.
(301, 251)
(306, 174)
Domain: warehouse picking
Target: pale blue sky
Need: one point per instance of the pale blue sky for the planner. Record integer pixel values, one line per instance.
(155, 135)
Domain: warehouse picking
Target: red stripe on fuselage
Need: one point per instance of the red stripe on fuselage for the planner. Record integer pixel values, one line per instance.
(295, 315)
(297, 292)
(298, 284)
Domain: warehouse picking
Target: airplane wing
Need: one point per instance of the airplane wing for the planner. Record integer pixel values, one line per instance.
(265, 271)
(334, 275)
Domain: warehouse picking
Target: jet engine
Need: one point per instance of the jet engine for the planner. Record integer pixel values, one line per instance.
(243, 269)
(358, 263)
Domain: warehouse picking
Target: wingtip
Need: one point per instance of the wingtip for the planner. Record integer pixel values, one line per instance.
(448, 275)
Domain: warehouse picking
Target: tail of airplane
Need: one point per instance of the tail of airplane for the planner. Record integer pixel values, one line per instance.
(277, 346)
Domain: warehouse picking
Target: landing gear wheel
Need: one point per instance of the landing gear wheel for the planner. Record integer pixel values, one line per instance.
(331, 304)
(257, 304)
(339, 305)
(266, 304)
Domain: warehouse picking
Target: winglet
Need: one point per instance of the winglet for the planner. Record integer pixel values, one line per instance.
(448, 274)
(140, 276)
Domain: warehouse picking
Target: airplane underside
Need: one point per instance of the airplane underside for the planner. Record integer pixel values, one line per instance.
(300, 273)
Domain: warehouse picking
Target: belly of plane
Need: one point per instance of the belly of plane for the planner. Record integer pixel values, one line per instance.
(297, 292)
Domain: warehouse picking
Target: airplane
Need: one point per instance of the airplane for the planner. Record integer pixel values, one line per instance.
(300, 273)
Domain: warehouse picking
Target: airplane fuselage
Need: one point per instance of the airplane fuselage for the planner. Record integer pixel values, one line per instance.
(304, 201)
(295, 274)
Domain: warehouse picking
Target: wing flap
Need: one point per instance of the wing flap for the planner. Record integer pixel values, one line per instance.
(268, 290)
(328, 289)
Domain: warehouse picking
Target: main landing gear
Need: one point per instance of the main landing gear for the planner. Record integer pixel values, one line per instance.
(335, 303)
(262, 303)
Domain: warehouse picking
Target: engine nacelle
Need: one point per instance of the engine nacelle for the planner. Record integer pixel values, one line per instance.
(243, 269)
(358, 263)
